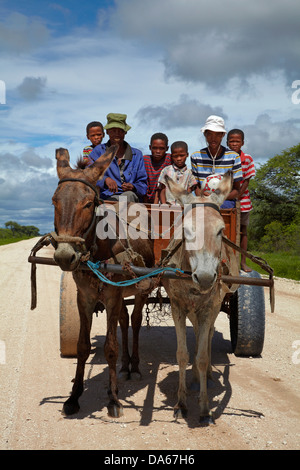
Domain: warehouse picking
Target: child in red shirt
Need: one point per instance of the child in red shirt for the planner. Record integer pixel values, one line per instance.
(235, 141)
(154, 164)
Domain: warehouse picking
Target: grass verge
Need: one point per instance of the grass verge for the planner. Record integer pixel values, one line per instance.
(7, 241)
(284, 264)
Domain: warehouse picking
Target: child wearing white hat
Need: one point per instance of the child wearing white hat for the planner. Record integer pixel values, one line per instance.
(217, 159)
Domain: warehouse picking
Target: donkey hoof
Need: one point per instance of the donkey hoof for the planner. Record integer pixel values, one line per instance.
(114, 411)
(180, 413)
(136, 376)
(70, 408)
(207, 420)
(123, 375)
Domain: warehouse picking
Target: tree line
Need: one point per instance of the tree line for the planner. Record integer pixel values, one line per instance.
(15, 230)
(275, 194)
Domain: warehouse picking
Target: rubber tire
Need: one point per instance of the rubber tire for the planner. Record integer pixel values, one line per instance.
(247, 318)
(68, 316)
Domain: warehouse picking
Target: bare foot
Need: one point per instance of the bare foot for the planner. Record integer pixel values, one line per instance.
(245, 268)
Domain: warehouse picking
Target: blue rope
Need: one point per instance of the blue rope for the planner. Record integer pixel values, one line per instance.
(128, 282)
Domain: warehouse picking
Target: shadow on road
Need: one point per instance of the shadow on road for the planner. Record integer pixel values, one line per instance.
(160, 375)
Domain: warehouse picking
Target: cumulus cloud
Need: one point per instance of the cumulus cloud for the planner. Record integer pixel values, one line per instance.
(30, 158)
(19, 33)
(213, 42)
(32, 88)
(266, 137)
(188, 112)
(27, 184)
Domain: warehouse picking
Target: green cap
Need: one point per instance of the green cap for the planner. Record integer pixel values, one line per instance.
(117, 120)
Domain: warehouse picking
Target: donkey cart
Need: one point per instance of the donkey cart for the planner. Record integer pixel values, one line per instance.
(245, 307)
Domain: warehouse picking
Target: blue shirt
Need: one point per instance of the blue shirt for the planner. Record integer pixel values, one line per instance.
(133, 171)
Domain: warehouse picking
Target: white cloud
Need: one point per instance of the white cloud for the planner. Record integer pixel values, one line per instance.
(270, 137)
(187, 112)
(32, 88)
(212, 42)
(19, 33)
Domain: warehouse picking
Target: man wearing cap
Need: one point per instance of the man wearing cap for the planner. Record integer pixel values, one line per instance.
(126, 174)
(216, 159)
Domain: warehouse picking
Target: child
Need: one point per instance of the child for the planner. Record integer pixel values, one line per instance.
(235, 141)
(215, 159)
(179, 172)
(94, 133)
(154, 164)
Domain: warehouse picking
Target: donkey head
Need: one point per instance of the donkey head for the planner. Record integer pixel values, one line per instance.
(203, 228)
(75, 201)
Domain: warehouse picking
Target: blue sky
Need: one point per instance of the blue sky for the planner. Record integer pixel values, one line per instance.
(167, 64)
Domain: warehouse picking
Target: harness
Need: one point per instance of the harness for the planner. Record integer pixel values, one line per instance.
(169, 253)
(80, 240)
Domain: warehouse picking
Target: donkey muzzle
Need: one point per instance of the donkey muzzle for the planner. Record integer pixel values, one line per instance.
(67, 257)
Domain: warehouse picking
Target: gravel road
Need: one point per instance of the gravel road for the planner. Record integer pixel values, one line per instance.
(255, 400)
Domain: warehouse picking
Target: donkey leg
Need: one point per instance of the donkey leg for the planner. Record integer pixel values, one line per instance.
(86, 309)
(113, 310)
(136, 321)
(195, 385)
(209, 368)
(182, 355)
(124, 324)
(202, 364)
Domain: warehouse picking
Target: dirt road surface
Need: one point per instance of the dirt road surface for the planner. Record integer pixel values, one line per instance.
(255, 400)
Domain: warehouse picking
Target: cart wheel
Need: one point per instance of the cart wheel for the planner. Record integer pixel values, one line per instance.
(247, 318)
(69, 316)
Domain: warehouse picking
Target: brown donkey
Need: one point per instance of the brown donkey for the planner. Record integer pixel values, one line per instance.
(75, 201)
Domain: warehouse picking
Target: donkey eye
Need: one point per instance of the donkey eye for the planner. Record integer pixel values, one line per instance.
(88, 205)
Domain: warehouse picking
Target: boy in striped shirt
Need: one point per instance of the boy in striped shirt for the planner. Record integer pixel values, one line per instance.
(94, 133)
(216, 159)
(235, 141)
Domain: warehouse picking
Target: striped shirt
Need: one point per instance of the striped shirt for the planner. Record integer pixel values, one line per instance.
(86, 152)
(153, 170)
(248, 172)
(203, 164)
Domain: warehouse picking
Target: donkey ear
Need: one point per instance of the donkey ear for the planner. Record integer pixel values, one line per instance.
(180, 194)
(97, 169)
(63, 162)
(224, 188)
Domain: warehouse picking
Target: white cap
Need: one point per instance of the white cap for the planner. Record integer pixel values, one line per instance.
(215, 124)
